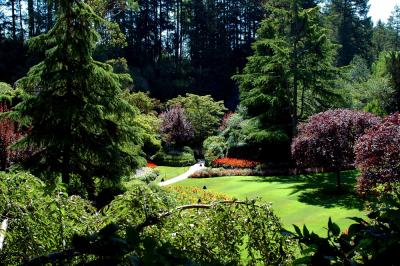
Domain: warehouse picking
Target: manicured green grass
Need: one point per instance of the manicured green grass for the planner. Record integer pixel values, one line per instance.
(168, 172)
(299, 200)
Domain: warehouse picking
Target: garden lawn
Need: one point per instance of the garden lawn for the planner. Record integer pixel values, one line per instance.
(299, 200)
(168, 172)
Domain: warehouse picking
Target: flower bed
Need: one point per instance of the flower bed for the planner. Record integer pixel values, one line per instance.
(234, 163)
(151, 164)
(217, 172)
(191, 195)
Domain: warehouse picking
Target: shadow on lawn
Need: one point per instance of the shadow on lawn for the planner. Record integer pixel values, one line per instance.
(320, 189)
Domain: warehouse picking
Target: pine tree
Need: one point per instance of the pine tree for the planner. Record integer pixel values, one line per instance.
(392, 69)
(394, 25)
(79, 123)
(383, 39)
(353, 28)
(289, 74)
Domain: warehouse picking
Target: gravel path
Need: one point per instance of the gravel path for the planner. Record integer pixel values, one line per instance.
(183, 176)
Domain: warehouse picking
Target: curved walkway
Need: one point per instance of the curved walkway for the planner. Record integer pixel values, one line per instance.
(183, 176)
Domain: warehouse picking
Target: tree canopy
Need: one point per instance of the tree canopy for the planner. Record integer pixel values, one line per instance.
(203, 112)
(78, 122)
(290, 72)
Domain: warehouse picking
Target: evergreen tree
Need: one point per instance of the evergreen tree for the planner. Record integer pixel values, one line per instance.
(383, 38)
(78, 122)
(352, 27)
(394, 25)
(393, 72)
(289, 74)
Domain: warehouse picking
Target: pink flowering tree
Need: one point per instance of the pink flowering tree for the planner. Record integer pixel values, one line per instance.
(327, 139)
(378, 155)
(175, 127)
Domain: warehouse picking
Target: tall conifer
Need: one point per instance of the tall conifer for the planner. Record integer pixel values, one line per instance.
(289, 74)
(79, 123)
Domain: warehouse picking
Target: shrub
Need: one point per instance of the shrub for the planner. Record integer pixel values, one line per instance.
(225, 121)
(203, 112)
(146, 227)
(40, 220)
(378, 154)
(214, 148)
(233, 131)
(9, 133)
(175, 127)
(234, 163)
(327, 139)
(147, 174)
(174, 157)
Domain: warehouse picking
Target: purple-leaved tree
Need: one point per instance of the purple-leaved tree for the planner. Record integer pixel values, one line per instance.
(378, 155)
(327, 139)
(175, 127)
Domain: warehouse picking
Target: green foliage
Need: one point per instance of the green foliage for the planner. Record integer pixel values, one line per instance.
(383, 38)
(79, 123)
(372, 242)
(352, 28)
(174, 156)
(366, 90)
(217, 235)
(6, 92)
(290, 73)
(393, 26)
(234, 131)
(40, 221)
(214, 147)
(145, 225)
(111, 35)
(146, 120)
(120, 66)
(393, 72)
(142, 101)
(383, 86)
(148, 130)
(203, 112)
(146, 175)
(151, 230)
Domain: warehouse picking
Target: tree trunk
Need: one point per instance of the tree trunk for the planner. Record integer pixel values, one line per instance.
(20, 21)
(49, 15)
(66, 168)
(295, 69)
(31, 18)
(13, 15)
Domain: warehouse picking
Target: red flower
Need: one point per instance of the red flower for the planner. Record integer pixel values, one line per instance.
(234, 163)
(151, 164)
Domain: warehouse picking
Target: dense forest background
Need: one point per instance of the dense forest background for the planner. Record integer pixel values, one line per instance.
(179, 46)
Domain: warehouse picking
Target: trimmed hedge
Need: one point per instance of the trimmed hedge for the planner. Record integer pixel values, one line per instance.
(175, 157)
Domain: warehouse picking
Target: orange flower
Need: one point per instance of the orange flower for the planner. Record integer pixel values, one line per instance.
(151, 164)
(234, 163)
